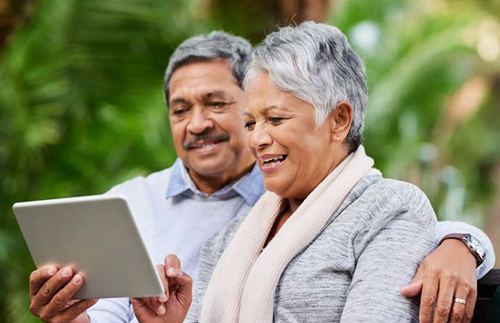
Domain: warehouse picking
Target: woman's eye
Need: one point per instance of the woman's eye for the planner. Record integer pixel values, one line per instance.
(249, 125)
(275, 119)
(217, 104)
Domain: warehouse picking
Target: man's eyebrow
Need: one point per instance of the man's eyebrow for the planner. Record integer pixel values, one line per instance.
(177, 100)
(217, 95)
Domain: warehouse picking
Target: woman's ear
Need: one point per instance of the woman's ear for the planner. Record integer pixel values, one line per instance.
(341, 121)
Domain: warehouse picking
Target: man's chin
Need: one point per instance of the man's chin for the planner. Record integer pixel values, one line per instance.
(211, 166)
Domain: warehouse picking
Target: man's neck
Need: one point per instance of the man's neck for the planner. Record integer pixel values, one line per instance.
(211, 184)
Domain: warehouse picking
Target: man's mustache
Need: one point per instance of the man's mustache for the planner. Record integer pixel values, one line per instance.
(203, 139)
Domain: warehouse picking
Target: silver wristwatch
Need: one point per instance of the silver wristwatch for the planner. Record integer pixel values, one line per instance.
(472, 243)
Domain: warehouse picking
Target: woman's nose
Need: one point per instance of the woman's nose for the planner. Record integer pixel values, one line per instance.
(260, 137)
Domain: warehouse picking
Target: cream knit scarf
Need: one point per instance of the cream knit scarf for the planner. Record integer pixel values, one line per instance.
(244, 281)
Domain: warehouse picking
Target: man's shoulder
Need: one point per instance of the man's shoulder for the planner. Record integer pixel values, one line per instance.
(153, 180)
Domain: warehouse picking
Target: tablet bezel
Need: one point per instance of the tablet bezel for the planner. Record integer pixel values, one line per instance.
(98, 237)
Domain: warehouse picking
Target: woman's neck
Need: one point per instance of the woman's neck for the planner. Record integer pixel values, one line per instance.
(293, 204)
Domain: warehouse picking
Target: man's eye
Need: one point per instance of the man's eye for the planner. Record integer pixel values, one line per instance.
(249, 125)
(179, 111)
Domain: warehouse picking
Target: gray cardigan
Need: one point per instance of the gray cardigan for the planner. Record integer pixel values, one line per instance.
(354, 269)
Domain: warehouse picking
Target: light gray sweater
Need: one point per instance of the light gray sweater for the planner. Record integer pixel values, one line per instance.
(354, 269)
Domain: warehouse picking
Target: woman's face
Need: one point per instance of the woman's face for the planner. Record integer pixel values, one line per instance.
(293, 154)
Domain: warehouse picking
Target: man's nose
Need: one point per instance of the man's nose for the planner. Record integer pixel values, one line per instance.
(200, 121)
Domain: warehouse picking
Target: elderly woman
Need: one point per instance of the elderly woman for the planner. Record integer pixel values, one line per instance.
(331, 240)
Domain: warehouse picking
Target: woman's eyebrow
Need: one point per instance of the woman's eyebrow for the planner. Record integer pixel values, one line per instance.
(275, 107)
(266, 110)
(269, 108)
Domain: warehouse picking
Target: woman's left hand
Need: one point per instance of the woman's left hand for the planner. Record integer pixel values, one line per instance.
(446, 274)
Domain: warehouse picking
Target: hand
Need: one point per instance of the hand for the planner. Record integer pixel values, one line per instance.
(451, 270)
(50, 294)
(174, 305)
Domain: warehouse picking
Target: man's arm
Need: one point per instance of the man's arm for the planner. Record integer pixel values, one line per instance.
(451, 270)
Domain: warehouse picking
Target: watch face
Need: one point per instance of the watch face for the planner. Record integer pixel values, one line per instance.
(475, 246)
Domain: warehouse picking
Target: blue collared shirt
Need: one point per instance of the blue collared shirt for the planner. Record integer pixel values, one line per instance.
(174, 217)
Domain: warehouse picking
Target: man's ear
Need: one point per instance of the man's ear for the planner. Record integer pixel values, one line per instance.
(341, 120)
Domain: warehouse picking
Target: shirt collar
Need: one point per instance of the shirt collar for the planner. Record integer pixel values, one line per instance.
(249, 187)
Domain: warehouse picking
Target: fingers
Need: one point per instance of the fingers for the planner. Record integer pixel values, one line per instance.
(51, 301)
(163, 278)
(47, 291)
(446, 292)
(75, 310)
(470, 304)
(413, 289)
(458, 309)
(39, 277)
(173, 266)
(182, 282)
(173, 269)
(58, 302)
(139, 305)
(156, 304)
(428, 298)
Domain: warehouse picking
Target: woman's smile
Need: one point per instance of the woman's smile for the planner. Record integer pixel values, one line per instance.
(270, 163)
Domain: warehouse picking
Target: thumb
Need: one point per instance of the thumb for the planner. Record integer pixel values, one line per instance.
(184, 283)
(412, 289)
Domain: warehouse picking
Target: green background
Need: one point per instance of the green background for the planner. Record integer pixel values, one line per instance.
(82, 106)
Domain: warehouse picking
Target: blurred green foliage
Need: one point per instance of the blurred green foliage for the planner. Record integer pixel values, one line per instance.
(82, 107)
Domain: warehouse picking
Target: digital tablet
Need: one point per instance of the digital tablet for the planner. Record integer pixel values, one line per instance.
(95, 235)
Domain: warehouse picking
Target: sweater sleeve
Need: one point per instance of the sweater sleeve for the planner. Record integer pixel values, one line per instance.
(387, 253)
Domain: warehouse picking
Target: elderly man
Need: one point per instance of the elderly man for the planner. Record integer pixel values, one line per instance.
(214, 180)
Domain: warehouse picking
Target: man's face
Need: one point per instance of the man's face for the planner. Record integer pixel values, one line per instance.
(206, 118)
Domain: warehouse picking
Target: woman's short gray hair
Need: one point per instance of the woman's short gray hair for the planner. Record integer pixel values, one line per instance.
(204, 48)
(315, 63)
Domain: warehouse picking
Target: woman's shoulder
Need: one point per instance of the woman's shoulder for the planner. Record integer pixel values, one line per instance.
(388, 209)
(383, 197)
(409, 195)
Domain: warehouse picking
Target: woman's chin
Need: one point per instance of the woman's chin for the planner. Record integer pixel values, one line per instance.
(276, 186)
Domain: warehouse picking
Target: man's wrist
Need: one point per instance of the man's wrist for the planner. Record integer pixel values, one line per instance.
(470, 242)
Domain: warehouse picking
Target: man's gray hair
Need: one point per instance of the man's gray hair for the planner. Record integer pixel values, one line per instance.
(205, 48)
(315, 63)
